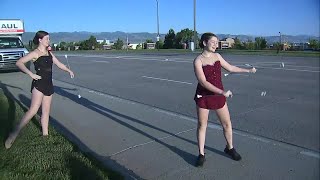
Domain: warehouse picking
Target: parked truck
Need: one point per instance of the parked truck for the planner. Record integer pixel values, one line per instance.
(11, 46)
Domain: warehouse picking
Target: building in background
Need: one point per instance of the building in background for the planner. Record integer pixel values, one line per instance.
(226, 43)
(151, 46)
(105, 41)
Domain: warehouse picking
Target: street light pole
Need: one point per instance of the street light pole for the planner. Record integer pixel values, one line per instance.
(194, 24)
(158, 35)
(280, 41)
(127, 42)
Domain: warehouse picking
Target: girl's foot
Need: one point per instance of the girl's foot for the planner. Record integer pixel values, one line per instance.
(200, 160)
(10, 140)
(233, 153)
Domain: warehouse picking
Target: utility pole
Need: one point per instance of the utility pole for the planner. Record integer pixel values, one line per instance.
(280, 41)
(127, 42)
(158, 35)
(194, 25)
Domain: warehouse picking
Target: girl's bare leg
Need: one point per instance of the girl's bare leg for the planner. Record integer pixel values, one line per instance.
(35, 104)
(224, 117)
(46, 104)
(203, 115)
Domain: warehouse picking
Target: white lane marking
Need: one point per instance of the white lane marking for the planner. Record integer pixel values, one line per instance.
(277, 62)
(238, 74)
(291, 64)
(302, 66)
(166, 80)
(286, 69)
(101, 61)
(110, 97)
(156, 139)
(141, 58)
(156, 59)
(268, 65)
(309, 153)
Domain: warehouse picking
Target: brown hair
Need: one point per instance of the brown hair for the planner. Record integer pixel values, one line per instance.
(39, 35)
(205, 38)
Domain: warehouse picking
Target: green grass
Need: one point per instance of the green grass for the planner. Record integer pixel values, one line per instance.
(35, 157)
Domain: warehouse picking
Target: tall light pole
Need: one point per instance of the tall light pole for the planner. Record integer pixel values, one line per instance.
(280, 41)
(127, 42)
(158, 35)
(194, 24)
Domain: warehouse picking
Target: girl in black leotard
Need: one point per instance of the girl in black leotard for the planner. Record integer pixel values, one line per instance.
(41, 87)
(43, 68)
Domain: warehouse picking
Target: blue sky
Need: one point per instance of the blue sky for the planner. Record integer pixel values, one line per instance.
(249, 17)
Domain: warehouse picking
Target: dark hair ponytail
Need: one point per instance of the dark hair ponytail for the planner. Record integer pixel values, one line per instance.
(205, 38)
(39, 35)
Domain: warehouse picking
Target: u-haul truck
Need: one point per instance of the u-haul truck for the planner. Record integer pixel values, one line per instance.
(11, 46)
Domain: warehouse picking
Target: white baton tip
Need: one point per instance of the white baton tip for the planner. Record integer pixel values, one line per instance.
(263, 93)
(66, 56)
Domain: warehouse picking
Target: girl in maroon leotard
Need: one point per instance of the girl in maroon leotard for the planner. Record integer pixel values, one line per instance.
(210, 94)
(41, 87)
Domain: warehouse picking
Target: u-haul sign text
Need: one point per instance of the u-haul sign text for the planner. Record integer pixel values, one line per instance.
(11, 27)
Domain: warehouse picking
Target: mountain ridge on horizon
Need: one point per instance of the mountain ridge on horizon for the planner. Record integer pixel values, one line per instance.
(138, 37)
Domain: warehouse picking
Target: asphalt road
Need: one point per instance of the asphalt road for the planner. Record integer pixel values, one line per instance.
(137, 115)
(289, 112)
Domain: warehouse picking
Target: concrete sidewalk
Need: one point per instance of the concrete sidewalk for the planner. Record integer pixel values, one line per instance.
(144, 142)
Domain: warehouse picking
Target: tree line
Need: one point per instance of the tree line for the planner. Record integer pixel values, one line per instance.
(177, 40)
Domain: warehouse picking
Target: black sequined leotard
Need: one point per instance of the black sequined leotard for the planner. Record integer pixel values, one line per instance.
(43, 68)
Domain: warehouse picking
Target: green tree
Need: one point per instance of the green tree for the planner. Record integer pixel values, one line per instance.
(118, 44)
(149, 41)
(276, 46)
(160, 43)
(314, 44)
(238, 44)
(92, 42)
(89, 44)
(62, 46)
(169, 39)
(84, 45)
(100, 45)
(260, 43)
(184, 36)
(249, 45)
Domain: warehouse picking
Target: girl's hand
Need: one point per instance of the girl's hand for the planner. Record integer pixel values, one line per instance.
(227, 94)
(35, 76)
(253, 70)
(71, 74)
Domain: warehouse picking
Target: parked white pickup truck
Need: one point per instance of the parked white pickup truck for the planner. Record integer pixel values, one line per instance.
(11, 46)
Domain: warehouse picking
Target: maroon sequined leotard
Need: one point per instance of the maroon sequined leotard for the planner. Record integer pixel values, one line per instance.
(213, 76)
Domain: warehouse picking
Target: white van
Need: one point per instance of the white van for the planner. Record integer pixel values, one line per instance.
(11, 46)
